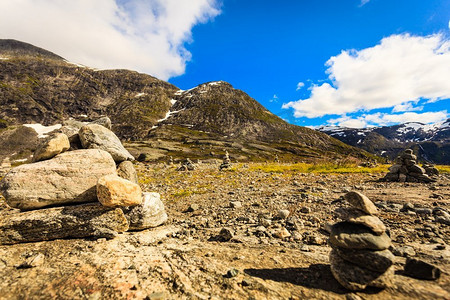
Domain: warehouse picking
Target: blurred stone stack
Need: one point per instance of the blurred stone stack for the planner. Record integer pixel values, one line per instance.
(187, 165)
(97, 170)
(360, 257)
(406, 169)
(226, 164)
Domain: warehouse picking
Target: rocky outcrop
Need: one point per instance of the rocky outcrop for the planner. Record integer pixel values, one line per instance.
(94, 136)
(360, 255)
(70, 177)
(406, 169)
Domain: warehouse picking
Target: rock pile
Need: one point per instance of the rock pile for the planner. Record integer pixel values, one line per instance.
(406, 169)
(360, 257)
(187, 165)
(101, 172)
(226, 164)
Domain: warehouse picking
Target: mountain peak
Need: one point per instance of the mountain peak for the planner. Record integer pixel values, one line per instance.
(10, 47)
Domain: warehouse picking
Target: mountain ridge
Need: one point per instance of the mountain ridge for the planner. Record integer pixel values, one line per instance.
(152, 114)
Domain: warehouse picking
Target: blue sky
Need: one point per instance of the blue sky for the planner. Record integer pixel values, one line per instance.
(354, 63)
(266, 50)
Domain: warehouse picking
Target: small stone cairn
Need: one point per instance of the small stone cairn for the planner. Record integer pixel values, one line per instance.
(84, 164)
(406, 169)
(360, 257)
(186, 165)
(226, 164)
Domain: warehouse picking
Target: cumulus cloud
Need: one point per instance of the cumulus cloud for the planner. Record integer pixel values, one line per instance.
(300, 85)
(384, 119)
(274, 98)
(406, 107)
(401, 70)
(143, 35)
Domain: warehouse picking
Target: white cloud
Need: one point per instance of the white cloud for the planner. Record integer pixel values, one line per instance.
(300, 85)
(384, 119)
(406, 107)
(274, 98)
(402, 69)
(363, 2)
(143, 35)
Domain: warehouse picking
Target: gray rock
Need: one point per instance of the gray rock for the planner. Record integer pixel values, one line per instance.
(57, 143)
(150, 213)
(104, 121)
(416, 169)
(404, 251)
(94, 136)
(70, 177)
(378, 261)
(360, 201)
(225, 235)
(193, 207)
(421, 269)
(235, 204)
(283, 213)
(356, 236)
(127, 171)
(356, 278)
(423, 211)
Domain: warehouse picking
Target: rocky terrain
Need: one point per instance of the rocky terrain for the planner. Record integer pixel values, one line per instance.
(431, 142)
(244, 233)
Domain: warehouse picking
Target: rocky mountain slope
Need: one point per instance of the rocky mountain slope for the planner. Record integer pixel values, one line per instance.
(431, 142)
(37, 86)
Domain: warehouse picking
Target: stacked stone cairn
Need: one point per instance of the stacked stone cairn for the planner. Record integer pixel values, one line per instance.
(406, 169)
(186, 165)
(81, 183)
(226, 164)
(360, 257)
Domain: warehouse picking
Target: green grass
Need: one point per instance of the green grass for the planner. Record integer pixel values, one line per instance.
(324, 167)
(443, 168)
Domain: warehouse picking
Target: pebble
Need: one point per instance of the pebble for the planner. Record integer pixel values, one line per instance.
(232, 273)
(305, 210)
(235, 204)
(281, 233)
(360, 201)
(193, 207)
(283, 214)
(225, 235)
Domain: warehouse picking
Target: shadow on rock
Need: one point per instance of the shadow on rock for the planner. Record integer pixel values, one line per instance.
(317, 276)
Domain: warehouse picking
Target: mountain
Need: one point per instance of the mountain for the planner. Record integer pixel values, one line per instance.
(431, 141)
(154, 116)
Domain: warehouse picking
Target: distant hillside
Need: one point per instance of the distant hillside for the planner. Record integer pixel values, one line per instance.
(431, 142)
(37, 86)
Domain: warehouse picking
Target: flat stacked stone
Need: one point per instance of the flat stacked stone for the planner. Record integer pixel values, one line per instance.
(360, 257)
(430, 170)
(406, 169)
(226, 164)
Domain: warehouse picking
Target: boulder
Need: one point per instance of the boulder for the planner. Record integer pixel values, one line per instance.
(94, 136)
(113, 191)
(361, 202)
(78, 221)
(70, 177)
(127, 171)
(422, 270)
(150, 213)
(356, 236)
(54, 145)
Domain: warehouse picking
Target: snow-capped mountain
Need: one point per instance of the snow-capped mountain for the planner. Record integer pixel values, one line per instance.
(432, 141)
